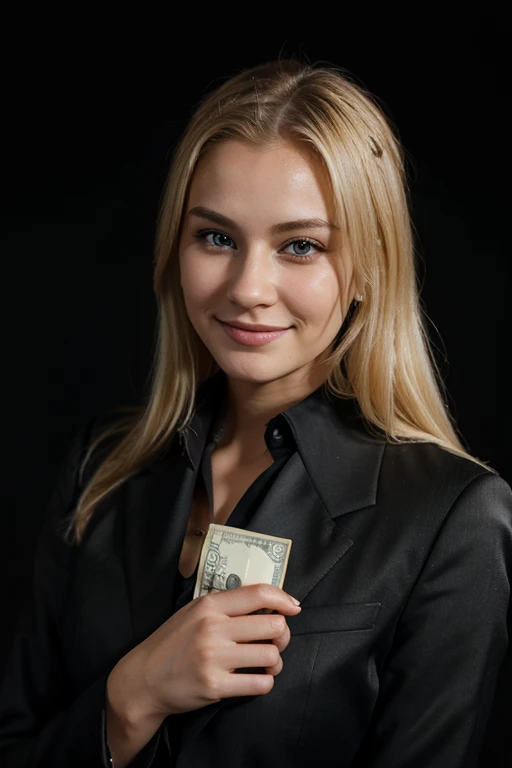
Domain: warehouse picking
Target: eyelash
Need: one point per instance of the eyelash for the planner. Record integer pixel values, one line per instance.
(202, 234)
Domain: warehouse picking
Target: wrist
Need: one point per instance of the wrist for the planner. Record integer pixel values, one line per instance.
(126, 703)
(123, 742)
(128, 729)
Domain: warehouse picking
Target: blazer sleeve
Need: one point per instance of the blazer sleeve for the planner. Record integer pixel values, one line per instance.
(40, 723)
(438, 680)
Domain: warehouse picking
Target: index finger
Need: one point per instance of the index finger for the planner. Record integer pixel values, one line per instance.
(251, 598)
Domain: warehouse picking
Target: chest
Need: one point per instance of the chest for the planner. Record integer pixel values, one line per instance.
(229, 485)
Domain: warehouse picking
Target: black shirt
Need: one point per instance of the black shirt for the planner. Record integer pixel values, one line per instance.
(281, 445)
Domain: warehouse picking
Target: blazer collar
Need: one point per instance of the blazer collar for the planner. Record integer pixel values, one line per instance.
(342, 459)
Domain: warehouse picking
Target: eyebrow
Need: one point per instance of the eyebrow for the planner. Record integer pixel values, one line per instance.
(277, 229)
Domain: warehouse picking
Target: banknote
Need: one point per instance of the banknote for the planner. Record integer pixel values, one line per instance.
(234, 557)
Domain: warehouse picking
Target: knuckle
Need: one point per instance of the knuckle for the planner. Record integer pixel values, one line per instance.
(264, 591)
(211, 685)
(280, 643)
(271, 655)
(263, 683)
(207, 626)
(278, 623)
(207, 602)
(205, 654)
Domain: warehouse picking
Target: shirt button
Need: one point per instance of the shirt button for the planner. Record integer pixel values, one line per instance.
(276, 434)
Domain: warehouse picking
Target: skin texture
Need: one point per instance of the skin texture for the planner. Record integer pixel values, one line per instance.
(249, 274)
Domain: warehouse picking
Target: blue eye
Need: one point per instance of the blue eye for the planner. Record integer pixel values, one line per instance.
(304, 249)
(215, 238)
(301, 247)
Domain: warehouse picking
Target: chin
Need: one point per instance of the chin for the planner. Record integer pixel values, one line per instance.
(253, 371)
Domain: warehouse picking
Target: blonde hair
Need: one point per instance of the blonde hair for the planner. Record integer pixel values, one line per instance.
(384, 358)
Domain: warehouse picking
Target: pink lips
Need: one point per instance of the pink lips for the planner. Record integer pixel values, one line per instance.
(252, 336)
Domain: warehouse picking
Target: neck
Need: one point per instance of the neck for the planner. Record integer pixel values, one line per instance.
(251, 406)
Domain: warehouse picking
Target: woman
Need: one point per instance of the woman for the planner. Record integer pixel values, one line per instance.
(294, 393)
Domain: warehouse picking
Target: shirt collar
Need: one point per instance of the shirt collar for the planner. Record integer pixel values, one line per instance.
(312, 426)
(205, 428)
(340, 455)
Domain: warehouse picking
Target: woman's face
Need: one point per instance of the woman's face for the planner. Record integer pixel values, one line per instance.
(258, 257)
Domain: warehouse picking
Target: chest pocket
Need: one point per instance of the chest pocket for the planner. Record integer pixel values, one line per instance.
(344, 617)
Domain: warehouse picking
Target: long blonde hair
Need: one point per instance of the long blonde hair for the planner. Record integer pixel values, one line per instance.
(384, 358)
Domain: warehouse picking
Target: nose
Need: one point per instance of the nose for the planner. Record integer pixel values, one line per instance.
(253, 279)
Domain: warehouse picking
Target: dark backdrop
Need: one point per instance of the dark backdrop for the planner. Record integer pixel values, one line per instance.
(91, 112)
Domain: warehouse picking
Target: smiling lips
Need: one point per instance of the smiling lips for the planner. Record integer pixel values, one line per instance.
(252, 335)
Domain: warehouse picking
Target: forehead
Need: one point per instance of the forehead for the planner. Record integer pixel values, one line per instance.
(284, 176)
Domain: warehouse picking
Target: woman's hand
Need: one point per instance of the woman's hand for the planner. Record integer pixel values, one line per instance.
(190, 660)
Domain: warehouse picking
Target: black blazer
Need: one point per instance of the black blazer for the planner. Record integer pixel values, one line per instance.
(401, 556)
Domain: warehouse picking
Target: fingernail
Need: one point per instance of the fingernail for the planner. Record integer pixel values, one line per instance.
(294, 600)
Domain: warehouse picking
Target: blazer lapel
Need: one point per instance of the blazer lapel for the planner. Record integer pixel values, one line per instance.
(294, 509)
(157, 512)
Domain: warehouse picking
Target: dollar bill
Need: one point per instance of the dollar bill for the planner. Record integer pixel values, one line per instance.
(234, 557)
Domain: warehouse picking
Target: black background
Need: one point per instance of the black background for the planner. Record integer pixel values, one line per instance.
(91, 112)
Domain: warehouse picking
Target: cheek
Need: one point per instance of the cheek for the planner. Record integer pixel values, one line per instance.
(198, 277)
(314, 296)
